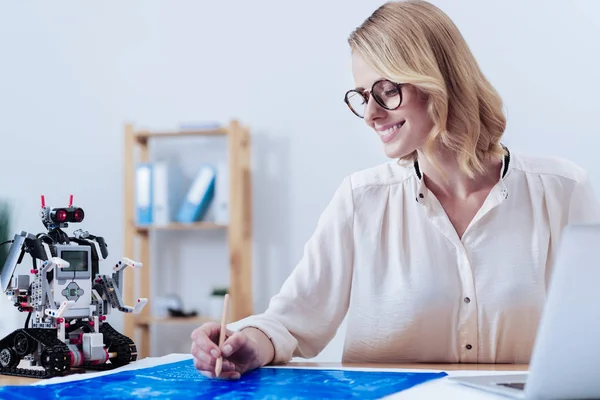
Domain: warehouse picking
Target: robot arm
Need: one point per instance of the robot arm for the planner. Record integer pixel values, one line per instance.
(110, 289)
(22, 243)
(18, 290)
(96, 241)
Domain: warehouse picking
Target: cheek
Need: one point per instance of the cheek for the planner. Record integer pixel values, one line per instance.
(425, 124)
(421, 121)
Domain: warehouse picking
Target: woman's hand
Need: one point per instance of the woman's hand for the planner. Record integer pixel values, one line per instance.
(241, 352)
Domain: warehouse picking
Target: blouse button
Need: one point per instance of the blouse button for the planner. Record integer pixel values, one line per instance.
(467, 300)
(469, 347)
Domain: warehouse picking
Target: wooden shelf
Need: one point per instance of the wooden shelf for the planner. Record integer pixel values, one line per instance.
(178, 226)
(136, 238)
(172, 320)
(142, 136)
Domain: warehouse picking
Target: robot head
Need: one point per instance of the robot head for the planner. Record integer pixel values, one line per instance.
(67, 214)
(60, 217)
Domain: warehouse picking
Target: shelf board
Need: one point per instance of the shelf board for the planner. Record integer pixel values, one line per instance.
(143, 136)
(172, 320)
(175, 226)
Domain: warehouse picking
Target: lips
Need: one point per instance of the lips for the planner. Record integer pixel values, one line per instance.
(389, 132)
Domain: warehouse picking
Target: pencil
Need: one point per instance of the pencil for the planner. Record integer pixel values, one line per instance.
(219, 364)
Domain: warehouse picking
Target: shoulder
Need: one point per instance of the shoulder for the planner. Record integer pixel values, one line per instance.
(369, 188)
(547, 167)
(382, 175)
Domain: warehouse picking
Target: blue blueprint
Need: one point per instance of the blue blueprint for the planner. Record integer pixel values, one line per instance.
(179, 380)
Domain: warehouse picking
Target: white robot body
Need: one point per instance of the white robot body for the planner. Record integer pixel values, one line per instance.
(67, 299)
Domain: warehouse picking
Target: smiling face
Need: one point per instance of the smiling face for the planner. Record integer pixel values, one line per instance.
(402, 130)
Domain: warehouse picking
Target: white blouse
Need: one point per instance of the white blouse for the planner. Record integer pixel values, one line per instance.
(385, 255)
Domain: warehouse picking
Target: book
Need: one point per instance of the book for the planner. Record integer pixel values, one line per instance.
(221, 200)
(167, 192)
(143, 194)
(199, 196)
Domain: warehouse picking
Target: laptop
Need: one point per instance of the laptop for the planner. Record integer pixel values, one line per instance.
(565, 361)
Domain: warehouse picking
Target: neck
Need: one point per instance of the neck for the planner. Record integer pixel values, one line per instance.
(455, 183)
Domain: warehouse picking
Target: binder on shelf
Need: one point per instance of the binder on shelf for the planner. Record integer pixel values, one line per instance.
(166, 192)
(198, 197)
(221, 200)
(143, 193)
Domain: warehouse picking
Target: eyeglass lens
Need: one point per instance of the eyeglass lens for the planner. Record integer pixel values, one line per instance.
(386, 93)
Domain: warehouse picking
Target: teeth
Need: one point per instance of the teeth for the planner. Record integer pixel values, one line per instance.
(389, 131)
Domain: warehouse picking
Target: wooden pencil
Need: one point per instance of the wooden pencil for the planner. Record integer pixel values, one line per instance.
(219, 364)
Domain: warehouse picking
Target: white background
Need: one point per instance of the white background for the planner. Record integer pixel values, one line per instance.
(72, 73)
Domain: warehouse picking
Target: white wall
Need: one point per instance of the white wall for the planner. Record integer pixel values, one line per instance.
(72, 74)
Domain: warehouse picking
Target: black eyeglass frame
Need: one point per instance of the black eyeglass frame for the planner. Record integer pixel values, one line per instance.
(397, 85)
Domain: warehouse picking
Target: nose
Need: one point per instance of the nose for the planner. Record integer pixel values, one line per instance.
(373, 111)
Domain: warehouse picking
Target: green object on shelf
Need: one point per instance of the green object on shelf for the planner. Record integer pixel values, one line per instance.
(219, 291)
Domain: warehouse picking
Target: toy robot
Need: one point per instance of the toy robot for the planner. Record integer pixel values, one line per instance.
(67, 301)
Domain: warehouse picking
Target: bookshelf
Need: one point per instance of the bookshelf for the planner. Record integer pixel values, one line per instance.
(239, 230)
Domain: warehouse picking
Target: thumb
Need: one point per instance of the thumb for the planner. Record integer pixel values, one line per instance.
(234, 343)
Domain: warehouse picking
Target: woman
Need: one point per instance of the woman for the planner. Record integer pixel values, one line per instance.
(443, 255)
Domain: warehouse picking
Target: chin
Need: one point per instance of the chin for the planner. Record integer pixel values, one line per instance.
(397, 152)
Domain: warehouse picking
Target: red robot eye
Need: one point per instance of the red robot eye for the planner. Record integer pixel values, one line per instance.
(78, 215)
(60, 216)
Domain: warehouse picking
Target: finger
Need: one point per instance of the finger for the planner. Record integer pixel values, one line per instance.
(232, 375)
(196, 350)
(205, 358)
(203, 366)
(229, 366)
(209, 368)
(237, 341)
(210, 329)
(208, 374)
(209, 362)
(203, 341)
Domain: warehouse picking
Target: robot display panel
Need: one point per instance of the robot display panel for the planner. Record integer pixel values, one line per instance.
(79, 259)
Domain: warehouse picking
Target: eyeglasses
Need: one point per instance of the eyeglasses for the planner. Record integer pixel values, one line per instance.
(386, 93)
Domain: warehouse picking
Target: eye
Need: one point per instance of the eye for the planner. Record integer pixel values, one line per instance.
(385, 89)
(391, 92)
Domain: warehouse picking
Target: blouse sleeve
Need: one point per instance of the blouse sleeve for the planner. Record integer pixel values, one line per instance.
(583, 207)
(312, 302)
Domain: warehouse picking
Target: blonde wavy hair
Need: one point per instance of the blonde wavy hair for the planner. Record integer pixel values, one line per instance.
(415, 42)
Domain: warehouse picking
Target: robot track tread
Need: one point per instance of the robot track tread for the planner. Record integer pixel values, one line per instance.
(115, 342)
(54, 354)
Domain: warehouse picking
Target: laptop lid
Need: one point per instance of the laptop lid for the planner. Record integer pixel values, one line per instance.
(565, 362)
